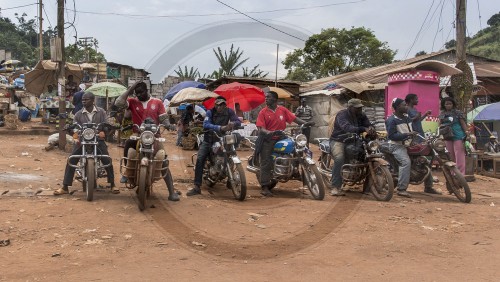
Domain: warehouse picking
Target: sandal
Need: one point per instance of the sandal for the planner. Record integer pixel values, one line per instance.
(60, 191)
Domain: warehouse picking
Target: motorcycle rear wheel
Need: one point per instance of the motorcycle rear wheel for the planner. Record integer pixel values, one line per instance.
(326, 163)
(240, 181)
(90, 182)
(314, 181)
(456, 182)
(141, 189)
(382, 187)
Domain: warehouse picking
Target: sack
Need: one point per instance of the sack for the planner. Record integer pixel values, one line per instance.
(189, 142)
(446, 132)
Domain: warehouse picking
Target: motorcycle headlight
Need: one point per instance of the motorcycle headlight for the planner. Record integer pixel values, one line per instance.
(438, 144)
(154, 128)
(373, 146)
(88, 133)
(147, 138)
(230, 139)
(301, 140)
(142, 128)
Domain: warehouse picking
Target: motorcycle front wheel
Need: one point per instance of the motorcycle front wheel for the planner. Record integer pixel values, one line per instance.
(239, 181)
(314, 181)
(382, 187)
(141, 189)
(90, 181)
(456, 182)
(326, 164)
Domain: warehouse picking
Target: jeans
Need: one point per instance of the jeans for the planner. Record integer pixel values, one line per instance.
(203, 154)
(102, 149)
(337, 152)
(266, 162)
(401, 155)
(179, 138)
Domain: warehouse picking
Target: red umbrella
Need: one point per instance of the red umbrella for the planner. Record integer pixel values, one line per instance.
(248, 96)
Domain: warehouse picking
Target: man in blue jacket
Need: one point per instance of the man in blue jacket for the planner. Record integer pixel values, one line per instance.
(219, 119)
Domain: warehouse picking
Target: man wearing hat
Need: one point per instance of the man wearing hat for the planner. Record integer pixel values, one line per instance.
(350, 120)
(492, 146)
(305, 113)
(219, 119)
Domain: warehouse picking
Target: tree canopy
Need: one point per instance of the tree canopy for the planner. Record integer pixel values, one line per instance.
(335, 51)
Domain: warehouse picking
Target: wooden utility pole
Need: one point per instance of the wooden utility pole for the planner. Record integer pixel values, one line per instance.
(40, 32)
(61, 76)
(461, 28)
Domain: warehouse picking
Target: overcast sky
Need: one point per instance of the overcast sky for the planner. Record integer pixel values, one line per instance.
(140, 30)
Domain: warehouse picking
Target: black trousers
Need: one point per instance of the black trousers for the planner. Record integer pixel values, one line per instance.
(307, 132)
(266, 162)
(102, 148)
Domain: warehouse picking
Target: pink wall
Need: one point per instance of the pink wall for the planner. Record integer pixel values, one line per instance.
(423, 83)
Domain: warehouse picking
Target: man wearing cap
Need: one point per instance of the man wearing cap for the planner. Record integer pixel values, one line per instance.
(77, 98)
(305, 113)
(271, 119)
(350, 120)
(220, 119)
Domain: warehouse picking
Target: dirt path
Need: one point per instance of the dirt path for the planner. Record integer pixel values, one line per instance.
(212, 237)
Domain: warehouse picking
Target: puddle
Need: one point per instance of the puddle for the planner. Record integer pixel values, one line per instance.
(10, 177)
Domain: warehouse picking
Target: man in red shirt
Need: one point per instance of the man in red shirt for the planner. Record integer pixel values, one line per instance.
(143, 106)
(271, 119)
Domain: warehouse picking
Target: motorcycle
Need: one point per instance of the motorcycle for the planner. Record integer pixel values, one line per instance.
(145, 164)
(363, 164)
(89, 166)
(223, 163)
(292, 161)
(422, 156)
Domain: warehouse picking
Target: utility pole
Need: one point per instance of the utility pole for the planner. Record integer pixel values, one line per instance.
(61, 77)
(40, 32)
(461, 28)
(86, 42)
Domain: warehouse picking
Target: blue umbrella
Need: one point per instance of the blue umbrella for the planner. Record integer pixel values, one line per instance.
(185, 84)
(487, 112)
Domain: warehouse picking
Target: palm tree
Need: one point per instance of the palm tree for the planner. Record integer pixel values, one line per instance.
(229, 62)
(192, 73)
(254, 72)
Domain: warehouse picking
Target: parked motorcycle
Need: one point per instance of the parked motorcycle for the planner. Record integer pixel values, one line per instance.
(145, 164)
(89, 166)
(223, 163)
(422, 156)
(292, 161)
(363, 164)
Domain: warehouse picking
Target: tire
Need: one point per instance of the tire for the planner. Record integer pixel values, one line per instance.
(91, 181)
(455, 181)
(141, 189)
(326, 163)
(240, 181)
(383, 186)
(314, 181)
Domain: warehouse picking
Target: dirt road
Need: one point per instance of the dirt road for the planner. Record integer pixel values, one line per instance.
(212, 237)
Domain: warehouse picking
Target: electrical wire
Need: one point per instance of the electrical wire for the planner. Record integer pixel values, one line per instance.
(284, 32)
(439, 24)
(3, 9)
(47, 17)
(420, 30)
(479, 11)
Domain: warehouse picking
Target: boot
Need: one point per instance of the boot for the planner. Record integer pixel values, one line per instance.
(431, 190)
(196, 190)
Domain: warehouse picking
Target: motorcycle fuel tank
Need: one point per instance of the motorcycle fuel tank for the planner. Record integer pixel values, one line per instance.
(285, 146)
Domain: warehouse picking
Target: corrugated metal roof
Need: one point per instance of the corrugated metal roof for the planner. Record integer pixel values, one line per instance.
(363, 80)
(487, 69)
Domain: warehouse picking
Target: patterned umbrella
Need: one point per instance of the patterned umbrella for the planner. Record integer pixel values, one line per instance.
(191, 94)
(107, 89)
(247, 96)
(179, 86)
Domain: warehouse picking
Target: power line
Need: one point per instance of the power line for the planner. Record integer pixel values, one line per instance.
(214, 14)
(3, 9)
(47, 17)
(439, 24)
(479, 11)
(291, 35)
(420, 30)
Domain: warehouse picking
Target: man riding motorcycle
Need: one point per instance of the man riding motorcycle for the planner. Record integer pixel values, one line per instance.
(141, 108)
(88, 114)
(271, 120)
(219, 119)
(350, 120)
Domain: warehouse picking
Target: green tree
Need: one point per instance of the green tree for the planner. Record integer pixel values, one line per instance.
(192, 73)
(229, 63)
(255, 72)
(335, 51)
(420, 53)
(494, 20)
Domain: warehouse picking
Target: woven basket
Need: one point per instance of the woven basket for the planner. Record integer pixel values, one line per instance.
(11, 121)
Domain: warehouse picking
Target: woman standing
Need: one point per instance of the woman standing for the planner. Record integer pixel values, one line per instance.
(454, 118)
